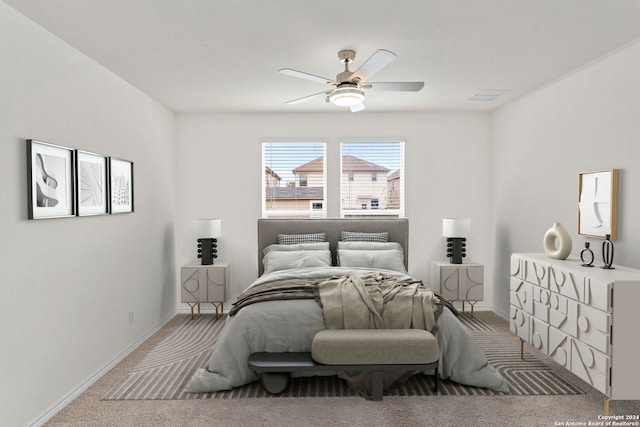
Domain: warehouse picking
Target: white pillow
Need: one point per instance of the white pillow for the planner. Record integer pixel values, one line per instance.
(286, 260)
(320, 246)
(387, 259)
(370, 246)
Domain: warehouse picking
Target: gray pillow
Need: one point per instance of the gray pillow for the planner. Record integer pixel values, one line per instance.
(372, 246)
(320, 246)
(287, 260)
(386, 259)
(292, 239)
(357, 236)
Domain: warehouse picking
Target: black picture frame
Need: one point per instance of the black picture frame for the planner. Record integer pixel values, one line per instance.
(92, 183)
(50, 180)
(121, 185)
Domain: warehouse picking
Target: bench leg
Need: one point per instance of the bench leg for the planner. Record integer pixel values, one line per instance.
(376, 385)
(435, 388)
(275, 382)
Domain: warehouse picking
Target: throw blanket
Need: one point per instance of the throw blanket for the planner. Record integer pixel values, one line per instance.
(357, 301)
(377, 301)
(277, 290)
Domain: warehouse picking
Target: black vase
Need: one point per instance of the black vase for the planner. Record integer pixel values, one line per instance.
(607, 253)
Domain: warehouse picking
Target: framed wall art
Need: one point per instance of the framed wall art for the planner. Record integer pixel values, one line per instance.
(121, 185)
(51, 180)
(598, 203)
(92, 184)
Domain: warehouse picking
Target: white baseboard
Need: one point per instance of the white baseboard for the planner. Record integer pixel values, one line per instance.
(97, 375)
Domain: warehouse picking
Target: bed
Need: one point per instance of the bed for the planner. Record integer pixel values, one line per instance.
(282, 325)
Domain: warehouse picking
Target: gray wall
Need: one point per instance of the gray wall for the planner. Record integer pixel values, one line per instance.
(447, 175)
(586, 121)
(68, 285)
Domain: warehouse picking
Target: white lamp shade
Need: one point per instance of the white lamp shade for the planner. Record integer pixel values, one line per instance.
(456, 227)
(208, 228)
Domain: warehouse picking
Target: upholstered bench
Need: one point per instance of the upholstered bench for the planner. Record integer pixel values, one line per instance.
(373, 350)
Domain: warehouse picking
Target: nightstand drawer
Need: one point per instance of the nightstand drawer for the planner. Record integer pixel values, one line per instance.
(204, 283)
(193, 287)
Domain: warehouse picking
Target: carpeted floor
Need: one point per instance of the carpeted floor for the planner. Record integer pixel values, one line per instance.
(90, 409)
(166, 370)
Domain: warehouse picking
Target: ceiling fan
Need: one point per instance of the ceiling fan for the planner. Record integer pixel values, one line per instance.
(349, 86)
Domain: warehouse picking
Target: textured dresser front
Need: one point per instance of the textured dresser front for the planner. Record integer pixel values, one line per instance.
(567, 311)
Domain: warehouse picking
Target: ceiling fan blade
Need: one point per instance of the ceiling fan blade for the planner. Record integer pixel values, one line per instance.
(395, 86)
(305, 98)
(380, 59)
(357, 107)
(303, 75)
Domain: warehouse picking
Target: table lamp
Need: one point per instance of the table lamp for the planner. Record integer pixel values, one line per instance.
(456, 230)
(207, 231)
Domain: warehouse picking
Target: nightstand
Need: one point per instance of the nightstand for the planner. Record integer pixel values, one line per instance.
(204, 284)
(458, 282)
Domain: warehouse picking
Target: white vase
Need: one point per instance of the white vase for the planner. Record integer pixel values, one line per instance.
(557, 235)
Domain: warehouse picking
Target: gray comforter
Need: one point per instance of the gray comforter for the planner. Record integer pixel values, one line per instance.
(289, 325)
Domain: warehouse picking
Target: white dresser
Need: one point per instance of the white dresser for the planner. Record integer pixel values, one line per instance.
(584, 318)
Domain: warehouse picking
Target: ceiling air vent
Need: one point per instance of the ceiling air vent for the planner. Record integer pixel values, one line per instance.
(488, 94)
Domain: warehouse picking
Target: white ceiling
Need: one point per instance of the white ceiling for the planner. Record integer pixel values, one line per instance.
(223, 55)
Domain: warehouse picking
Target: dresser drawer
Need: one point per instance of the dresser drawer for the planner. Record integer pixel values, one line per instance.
(521, 295)
(567, 283)
(593, 328)
(519, 323)
(591, 366)
(537, 273)
(598, 294)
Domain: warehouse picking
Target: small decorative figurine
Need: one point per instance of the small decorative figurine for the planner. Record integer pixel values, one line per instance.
(607, 253)
(587, 256)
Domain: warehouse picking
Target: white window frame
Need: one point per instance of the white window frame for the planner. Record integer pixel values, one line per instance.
(359, 212)
(310, 212)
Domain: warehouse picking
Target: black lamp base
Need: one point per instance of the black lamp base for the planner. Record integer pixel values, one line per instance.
(456, 248)
(207, 250)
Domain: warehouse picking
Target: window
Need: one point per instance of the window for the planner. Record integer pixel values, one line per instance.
(372, 179)
(294, 179)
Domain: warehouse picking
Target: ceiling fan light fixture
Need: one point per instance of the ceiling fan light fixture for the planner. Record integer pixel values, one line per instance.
(346, 96)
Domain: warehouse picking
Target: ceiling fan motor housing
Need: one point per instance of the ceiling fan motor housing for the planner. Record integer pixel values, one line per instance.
(344, 77)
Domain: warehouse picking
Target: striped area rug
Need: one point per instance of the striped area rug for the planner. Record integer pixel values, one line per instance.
(165, 371)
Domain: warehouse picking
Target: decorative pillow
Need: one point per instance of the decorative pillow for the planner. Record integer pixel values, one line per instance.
(371, 246)
(286, 260)
(320, 246)
(292, 239)
(387, 259)
(356, 236)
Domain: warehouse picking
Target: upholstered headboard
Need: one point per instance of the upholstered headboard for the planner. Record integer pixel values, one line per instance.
(268, 230)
